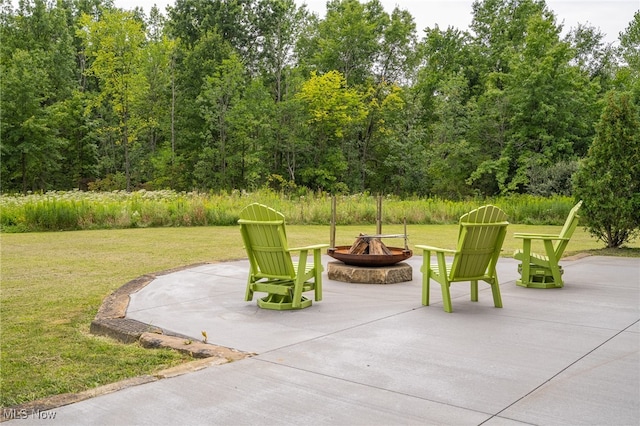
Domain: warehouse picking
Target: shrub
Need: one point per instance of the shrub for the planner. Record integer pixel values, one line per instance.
(552, 180)
(608, 180)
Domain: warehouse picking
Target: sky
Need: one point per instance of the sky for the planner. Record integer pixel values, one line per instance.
(610, 16)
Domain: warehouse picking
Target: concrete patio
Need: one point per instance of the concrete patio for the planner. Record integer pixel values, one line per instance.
(373, 355)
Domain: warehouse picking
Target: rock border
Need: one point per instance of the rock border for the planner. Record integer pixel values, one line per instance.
(111, 321)
(393, 274)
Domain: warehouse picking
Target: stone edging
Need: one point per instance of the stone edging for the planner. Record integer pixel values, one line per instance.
(111, 321)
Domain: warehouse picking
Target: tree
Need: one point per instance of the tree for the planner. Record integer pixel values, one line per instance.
(333, 110)
(592, 55)
(550, 104)
(279, 24)
(628, 76)
(498, 29)
(30, 147)
(397, 56)
(116, 43)
(286, 146)
(220, 94)
(157, 109)
(204, 33)
(545, 106)
(608, 180)
(396, 164)
(251, 125)
(451, 156)
(37, 67)
(348, 38)
(444, 86)
(351, 101)
(375, 53)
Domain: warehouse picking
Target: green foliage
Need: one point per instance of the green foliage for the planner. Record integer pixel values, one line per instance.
(111, 182)
(114, 42)
(547, 103)
(220, 95)
(31, 151)
(58, 211)
(348, 38)
(608, 180)
(332, 109)
(628, 75)
(551, 180)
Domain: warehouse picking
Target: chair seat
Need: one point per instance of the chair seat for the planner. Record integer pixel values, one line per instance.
(307, 268)
(435, 271)
(435, 267)
(536, 258)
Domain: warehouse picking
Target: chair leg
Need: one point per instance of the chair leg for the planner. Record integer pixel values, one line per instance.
(446, 297)
(426, 283)
(317, 279)
(474, 291)
(495, 290)
(296, 293)
(554, 266)
(443, 279)
(299, 282)
(525, 276)
(248, 295)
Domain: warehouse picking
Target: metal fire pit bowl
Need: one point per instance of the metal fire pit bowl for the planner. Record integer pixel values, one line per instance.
(342, 254)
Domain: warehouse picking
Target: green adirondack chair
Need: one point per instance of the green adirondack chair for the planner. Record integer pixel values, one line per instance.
(272, 269)
(543, 270)
(480, 239)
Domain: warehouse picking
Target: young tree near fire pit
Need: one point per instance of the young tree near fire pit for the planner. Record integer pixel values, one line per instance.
(608, 180)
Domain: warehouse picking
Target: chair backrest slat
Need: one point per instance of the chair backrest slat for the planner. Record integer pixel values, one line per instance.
(264, 235)
(570, 225)
(481, 235)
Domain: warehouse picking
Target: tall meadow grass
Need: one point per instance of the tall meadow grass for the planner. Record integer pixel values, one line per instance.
(76, 210)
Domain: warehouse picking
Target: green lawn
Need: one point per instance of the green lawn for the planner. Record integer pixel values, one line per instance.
(52, 285)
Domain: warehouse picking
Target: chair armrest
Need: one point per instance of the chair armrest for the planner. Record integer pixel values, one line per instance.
(539, 236)
(313, 247)
(436, 249)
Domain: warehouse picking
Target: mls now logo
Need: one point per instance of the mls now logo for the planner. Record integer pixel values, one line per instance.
(23, 413)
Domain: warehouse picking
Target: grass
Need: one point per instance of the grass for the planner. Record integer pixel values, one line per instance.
(76, 210)
(53, 284)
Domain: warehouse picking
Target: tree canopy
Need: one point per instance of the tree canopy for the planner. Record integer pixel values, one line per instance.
(220, 95)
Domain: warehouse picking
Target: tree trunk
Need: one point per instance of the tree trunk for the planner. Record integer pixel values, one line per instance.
(127, 160)
(23, 167)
